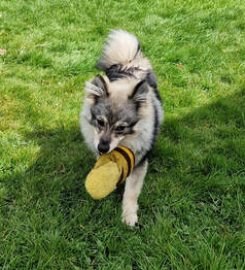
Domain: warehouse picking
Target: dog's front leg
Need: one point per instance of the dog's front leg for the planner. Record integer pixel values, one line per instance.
(132, 190)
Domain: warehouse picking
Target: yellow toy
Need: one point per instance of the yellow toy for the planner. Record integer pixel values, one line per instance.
(109, 171)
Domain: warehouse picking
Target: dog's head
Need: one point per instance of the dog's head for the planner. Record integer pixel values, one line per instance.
(114, 109)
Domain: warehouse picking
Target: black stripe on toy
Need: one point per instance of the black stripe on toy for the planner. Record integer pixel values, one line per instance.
(125, 155)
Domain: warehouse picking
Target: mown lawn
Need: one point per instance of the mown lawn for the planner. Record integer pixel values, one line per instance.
(192, 208)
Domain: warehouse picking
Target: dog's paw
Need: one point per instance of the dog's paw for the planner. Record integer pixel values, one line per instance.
(130, 219)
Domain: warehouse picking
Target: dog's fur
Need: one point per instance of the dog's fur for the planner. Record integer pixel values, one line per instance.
(123, 107)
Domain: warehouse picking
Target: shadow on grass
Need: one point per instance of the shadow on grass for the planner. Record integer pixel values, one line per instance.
(199, 157)
(201, 152)
(206, 142)
(62, 166)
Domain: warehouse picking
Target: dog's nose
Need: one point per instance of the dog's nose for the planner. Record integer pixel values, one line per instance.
(103, 147)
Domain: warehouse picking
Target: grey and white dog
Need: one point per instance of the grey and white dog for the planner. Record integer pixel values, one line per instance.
(123, 107)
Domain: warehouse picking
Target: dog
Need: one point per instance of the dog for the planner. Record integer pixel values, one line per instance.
(123, 107)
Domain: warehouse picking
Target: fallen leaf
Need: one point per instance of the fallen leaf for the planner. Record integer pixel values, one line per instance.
(2, 52)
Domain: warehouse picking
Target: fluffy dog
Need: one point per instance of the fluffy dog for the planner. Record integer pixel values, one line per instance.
(123, 107)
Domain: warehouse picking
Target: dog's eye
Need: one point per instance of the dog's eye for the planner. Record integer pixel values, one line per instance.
(120, 129)
(100, 122)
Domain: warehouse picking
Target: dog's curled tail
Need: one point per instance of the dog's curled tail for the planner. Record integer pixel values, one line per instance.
(121, 48)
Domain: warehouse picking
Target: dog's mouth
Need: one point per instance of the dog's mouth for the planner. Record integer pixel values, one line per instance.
(101, 153)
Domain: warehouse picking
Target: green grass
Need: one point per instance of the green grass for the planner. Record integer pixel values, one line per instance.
(192, 208)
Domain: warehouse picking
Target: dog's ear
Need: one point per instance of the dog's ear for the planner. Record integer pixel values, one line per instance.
(97, 88)
(140, 92)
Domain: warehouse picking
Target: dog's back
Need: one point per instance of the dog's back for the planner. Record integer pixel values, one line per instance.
(122, 49)
(122, 57)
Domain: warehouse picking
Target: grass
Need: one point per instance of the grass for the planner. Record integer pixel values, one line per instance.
(192, 208)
